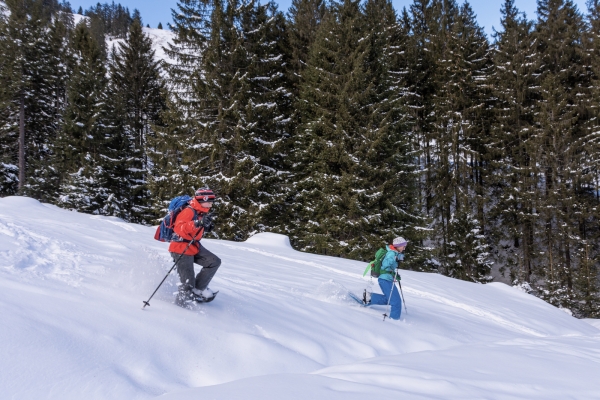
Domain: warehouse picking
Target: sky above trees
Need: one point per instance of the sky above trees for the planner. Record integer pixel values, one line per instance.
(488, 11)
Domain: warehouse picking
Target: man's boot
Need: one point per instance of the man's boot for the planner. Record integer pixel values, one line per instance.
(185, 297)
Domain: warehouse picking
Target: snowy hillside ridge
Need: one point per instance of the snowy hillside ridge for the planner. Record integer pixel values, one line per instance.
(77, 18)
(282, 327)
(160, 38)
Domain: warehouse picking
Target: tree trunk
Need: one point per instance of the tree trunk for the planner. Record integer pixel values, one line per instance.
(22, 144)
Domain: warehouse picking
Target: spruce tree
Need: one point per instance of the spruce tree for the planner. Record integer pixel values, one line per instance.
(81, 148)
(468, 253)
(98, 30)
(111, 19)
(304, 18)
(452, 121)
(560, 118)
(389, 63)
(44, 175)
(515, 147)
(449, 77)
(170, 175)
(586, 282)
(353, 195)
(244, 117)
(136, 82)
(32, 82)
(422, 55)
(9, 145)
(227, 124)
(191, 26)
(268, 111)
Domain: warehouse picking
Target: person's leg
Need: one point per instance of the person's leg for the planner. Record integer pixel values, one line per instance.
(210, 264)
(381, 299)
(185, 269)
(396, 303)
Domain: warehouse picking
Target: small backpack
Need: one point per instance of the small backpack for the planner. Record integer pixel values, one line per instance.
(375, 265)
(164, 232)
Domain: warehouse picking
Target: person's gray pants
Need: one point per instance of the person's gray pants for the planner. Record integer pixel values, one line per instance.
(185, 268)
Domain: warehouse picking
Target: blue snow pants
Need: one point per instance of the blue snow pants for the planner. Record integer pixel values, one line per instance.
(382, 299)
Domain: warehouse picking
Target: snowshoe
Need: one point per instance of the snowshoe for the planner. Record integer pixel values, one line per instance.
(201, 298)
(356, 299)
(364, 301)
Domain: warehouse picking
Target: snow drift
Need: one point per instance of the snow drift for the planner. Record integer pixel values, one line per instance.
(283, 326)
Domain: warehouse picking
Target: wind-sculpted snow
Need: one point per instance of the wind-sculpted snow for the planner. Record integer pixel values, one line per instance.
(283, 326)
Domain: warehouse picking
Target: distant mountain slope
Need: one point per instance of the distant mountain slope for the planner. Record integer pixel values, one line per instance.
(160, 38)
(283, 326)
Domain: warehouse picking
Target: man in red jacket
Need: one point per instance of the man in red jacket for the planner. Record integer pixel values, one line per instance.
(191, 222)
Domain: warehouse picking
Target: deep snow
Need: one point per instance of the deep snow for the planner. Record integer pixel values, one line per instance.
(283, 326)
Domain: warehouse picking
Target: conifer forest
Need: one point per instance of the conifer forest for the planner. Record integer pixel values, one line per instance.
(341, 124)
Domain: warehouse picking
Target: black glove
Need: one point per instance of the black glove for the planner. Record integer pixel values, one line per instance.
(205, 221)
(209, 227)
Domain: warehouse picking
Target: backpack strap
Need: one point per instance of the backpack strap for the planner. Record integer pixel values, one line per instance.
(176, 237)
(195, 217)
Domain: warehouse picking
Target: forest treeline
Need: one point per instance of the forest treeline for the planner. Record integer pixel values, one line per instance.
(340, 124)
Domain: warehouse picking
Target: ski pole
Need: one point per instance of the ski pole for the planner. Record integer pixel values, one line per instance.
(402, 293)
(147, 303)
(390, 298)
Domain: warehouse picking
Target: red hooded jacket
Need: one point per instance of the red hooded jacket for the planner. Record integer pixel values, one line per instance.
(185, 228)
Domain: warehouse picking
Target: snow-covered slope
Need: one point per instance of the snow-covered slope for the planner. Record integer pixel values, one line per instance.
(160, 39)
(283, 327)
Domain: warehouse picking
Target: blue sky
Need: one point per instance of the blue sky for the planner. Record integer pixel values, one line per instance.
(488, 11)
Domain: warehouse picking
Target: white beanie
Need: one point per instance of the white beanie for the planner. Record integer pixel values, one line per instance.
(399, 241)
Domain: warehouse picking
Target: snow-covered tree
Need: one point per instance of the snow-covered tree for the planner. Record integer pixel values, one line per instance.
(245, 117)
(360, 186)
(82, 153)
(170, 175)
(32, 81)
(136, 81)
(468, 255)
(304, 18)
(514, 143)
(563, 83)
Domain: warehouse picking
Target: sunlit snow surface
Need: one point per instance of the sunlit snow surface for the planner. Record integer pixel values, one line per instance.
(161, 38)
(282, 327)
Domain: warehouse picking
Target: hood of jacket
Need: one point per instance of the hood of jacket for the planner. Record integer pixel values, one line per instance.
(195, 204)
